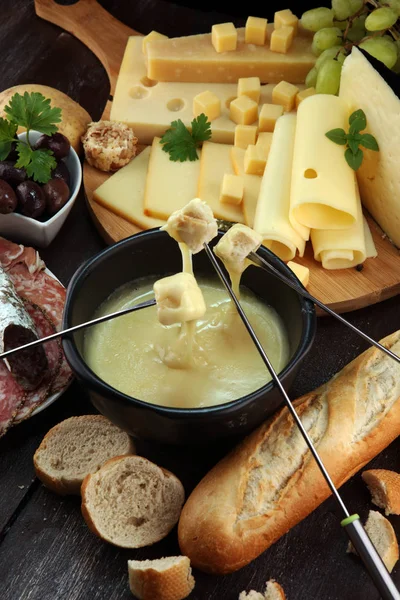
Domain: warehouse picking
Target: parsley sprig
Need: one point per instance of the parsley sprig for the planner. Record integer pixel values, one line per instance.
(32, 111)
(354, 139)
(181, 144)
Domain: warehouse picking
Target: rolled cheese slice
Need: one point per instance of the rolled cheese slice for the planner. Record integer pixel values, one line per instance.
(272, 213)
(323, 194)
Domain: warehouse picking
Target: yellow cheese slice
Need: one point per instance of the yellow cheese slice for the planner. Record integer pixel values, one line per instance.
(302, 273)
(251, 188)
(215, 162)
(169, 185)
(193, 58)
(323, 194)
(369, 241)
(361, 86)
(149, 106)
(272, 214)
(123, 192)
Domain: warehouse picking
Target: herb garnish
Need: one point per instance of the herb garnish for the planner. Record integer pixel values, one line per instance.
(181, 144)
(354, 139)
(32, 111)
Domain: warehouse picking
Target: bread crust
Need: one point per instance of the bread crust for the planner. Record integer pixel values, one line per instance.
(174, 583)
(212, 531)
(389, 484)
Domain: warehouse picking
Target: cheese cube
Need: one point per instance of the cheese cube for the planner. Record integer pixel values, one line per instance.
(269, 114)
(285, 18)
(231, 189)
(245, 135)
(207, 103)
(152, 37)
(263, 143)
(281, 39)
(254, 163)
(243, 110)
(179, 299)
(237, 243)
(301, 272)
(256, 31)
(304, 94)
(193, 225)
(224, 37)
(285, 94)
(251, 87)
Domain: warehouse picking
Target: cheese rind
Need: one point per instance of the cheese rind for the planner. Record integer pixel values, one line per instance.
(224, 37)
(256, 31)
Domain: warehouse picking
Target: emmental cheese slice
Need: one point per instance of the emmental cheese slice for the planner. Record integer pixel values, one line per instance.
(169, 185)
(361, 86)
(123, 192)
(193, 58)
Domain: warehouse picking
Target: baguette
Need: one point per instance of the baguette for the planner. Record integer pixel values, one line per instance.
(161, 579)
(270, 482)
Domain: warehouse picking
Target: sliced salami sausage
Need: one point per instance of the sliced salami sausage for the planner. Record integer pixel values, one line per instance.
(12, 398)
(9, 252)
(28, 366)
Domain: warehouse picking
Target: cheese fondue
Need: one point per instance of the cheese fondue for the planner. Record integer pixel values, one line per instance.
(142, 358)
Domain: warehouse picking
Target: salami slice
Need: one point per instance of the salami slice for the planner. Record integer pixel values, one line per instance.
(12, 397)
(9, 252)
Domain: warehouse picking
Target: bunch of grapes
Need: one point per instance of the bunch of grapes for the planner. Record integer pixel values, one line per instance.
(368, 24)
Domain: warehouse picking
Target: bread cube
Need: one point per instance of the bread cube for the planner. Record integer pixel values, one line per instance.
(251, 87)
(263, 143)
(301, 272)
(304, 94)
(284, 93)
(231, 189)
(224, 37)
(245, 135)
(179, 299)
(255, 31)
(285, 18)
(281, 39)
(243, 110)
(237, 243)
(269, 114)
(254, 163)
(152, 37)
(193, 225)
(207, 103)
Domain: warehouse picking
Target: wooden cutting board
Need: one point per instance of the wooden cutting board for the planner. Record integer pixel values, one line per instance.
(343, 290)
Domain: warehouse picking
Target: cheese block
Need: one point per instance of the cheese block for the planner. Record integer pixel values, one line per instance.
(169, 185)
(361, 86)
(272, 213)
(215, 162)
(123, 192)
(149, 106)
(323, 193)
(251, 185)
(193, 58)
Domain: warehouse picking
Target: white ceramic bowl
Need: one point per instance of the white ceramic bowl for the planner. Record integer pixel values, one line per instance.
(25, 230)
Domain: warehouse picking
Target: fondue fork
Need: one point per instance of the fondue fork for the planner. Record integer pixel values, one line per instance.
(351, 523)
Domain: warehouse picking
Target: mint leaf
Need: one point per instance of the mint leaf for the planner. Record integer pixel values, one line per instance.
(353, 142)
(8, 132)
(337, 135)
(368, 141)
(359, 116)
(354, 160)
(33, 111)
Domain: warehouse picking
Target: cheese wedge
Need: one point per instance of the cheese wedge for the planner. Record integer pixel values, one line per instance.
(323, 192)
(361, 86)
(302, 273)
(123, 192)
(214, 164)
(193, 58)
(272, 213)
(251, 185)
(169, 185)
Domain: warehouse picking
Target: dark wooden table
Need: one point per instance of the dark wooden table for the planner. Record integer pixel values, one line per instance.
(46, 550)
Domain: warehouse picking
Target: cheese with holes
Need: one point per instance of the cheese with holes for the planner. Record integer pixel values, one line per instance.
(149, 107)
(362, 87)
(272, 214)
(169, 185)
(214, 164)
(193, 58)
(251, 185)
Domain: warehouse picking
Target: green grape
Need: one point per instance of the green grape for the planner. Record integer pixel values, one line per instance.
(381, 18)
(341, 24)
(311, 78)
(357, 29)
(328, 78)
(337, 52)
(394, 5)
(382, 48)
(396, 67)
(344, 9)
(326, 38)
(317, 18)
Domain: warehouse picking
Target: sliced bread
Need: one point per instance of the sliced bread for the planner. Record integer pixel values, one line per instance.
(273, 591)
(383, 537)
(76, 447)
(162, 579)
(131, 502)
(384, 486)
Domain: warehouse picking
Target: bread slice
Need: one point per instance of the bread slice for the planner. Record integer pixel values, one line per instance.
(384, 486)
(383, 537)
(131, 502)
(162, 579)
(273, 591)
(76, 447)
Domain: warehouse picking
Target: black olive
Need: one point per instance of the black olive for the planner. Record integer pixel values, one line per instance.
(31, 200)
(57, 143)
(61, 172)
(10, 173)
(8, 199)
(56, 193)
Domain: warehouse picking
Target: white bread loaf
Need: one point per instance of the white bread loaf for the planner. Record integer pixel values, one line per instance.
(270, 482)
(161, 579)
(383, 537)
(384, 486)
